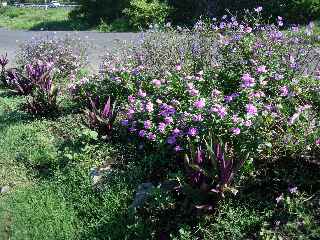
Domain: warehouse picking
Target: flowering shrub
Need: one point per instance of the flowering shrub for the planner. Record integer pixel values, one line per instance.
(249, 95)
(68, 54)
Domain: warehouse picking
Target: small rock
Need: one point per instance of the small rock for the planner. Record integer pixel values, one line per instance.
(170, 185)
(4, 189)
(142, 194)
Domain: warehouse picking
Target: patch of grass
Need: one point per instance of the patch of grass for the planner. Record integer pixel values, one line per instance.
(39, 19)
(36, 212)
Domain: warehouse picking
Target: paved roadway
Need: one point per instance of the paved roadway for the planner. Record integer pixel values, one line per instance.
(99, 42)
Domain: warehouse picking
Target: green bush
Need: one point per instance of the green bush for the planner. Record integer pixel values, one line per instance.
(142, 13)
(94, 11)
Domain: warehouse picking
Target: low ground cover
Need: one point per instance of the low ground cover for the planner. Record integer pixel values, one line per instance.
(203, 133)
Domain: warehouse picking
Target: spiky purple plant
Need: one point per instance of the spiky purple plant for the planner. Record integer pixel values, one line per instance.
(101, 119)
(3, 63)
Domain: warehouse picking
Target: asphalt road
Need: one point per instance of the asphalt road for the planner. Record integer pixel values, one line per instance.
(99, 42)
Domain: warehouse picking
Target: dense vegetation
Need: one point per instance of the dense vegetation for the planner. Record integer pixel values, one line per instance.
(145, 12)
(204, 133)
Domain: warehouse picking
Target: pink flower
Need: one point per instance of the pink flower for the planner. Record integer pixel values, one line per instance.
(199, 104)
(247, 123)
(318, 142)
(262, 69)
(178, 67)
(147, 124)
(131, 99)
(156, 82)
(142, 93)
(149, 107)
(284, 91)
(248, 29)
(247, 81)
(235, 131)
(251, 109)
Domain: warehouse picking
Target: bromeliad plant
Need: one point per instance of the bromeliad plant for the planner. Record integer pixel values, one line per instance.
(101, 117)
(3, 63)
(44, 94)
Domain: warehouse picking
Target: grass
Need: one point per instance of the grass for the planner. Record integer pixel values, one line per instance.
(53, 19)
(39, 19)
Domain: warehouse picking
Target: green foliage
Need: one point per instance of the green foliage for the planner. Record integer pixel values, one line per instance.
(143, 13)
(94, 11)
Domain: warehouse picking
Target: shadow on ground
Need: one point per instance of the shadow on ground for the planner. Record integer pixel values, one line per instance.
(64, 25)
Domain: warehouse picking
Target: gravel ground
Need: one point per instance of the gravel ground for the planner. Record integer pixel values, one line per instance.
(99, 42)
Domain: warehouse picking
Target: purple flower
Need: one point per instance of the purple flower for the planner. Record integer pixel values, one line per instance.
(162, 127)
(178, 148)
(199, 104)
(247, 81)
(235, 119)
(280, 198)
(167, 110)
(235, 131)
(147, 124)
(278, 77)
(318, 142)
(193, 132)
(197, 118)
(284, 91)
(171, 140)
(176, 131)
(251, 110)
(294, 118)
(193, 92)
(168, 120)
(215, 93)
(124, 122)
(231, 97)
(151, 136)
(258, 9)
(262, 69)
(142, 133)
(293, 190)
(219, 110)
